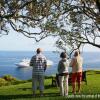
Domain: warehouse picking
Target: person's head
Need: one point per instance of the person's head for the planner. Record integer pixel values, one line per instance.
(76, 53)
(39, 50)
(63, 55)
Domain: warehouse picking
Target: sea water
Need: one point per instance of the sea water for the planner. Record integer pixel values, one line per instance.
(8, 59)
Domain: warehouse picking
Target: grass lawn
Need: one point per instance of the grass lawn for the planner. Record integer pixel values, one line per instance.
(24, 91)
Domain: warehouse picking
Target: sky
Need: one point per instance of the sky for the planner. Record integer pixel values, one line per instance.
(17, 42)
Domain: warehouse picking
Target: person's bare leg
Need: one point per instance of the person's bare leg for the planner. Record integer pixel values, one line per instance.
(74, 87)
(79, 87)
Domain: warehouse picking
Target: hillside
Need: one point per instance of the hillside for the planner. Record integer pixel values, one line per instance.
(23, 91)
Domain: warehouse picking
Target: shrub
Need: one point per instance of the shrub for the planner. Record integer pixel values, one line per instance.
(3, 82)
(12, 80)
(9, 78)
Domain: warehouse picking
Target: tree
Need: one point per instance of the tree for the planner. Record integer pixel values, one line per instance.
(84, 17)
(75, 22)
(24, 16)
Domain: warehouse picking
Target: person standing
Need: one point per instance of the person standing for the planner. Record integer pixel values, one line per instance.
(39, 64)
(63, 74)
(76, 64)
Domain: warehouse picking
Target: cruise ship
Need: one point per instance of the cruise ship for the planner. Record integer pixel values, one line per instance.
(25, 63)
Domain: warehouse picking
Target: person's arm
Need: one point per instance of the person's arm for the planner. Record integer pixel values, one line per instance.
(68, 63)
(72, 63)
(45, 64)
(59, 64)
(32, 61)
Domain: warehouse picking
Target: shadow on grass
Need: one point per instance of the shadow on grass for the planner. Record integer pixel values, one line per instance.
(9, 97)
(46, 87)
(21, 96)
(25, 89)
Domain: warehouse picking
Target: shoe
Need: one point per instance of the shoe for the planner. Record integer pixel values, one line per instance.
(79, 92)
(41, 95)
(33, 94)
(74, 93)
(61, 94)
(66, 94)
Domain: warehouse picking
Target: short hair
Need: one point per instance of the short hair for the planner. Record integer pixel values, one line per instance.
(63, 55)
(76, 53)
(39, 50)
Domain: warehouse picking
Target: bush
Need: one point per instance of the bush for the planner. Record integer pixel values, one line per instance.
(12, 80)
(9, 78)
(3, 82)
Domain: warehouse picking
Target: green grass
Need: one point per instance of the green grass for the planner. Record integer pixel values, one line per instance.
(23, 91)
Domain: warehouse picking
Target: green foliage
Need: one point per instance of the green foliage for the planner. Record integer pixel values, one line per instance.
(24, 91)
(10, 80)
(79, 18)
(3, 82)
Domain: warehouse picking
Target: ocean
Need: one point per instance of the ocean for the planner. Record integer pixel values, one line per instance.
(8, 59)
